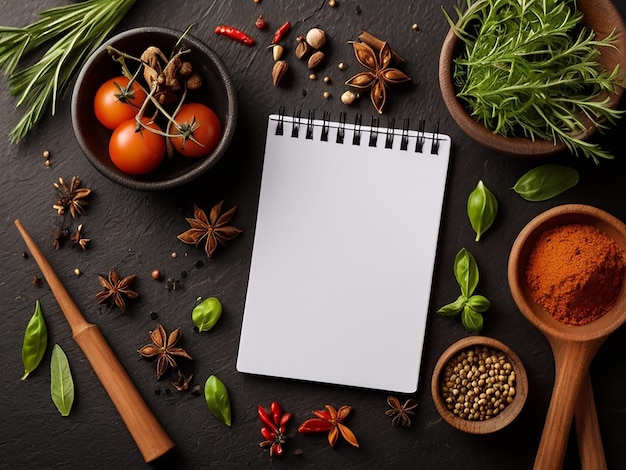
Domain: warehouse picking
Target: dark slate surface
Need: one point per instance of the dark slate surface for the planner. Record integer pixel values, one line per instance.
(136, 232)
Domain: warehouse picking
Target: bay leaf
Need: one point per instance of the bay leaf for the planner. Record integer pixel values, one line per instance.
(61, 382)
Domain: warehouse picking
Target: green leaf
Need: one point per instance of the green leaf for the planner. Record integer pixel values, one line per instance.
(471, 319)
(453, 308)
(545, 182)
(482, 208)
(206, 314)
(466, 272)
(35, 341)
(478, 303)
(217, 399)
(61, 383)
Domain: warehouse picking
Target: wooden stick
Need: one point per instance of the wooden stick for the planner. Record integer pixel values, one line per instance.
(377, 44)
(143, 426)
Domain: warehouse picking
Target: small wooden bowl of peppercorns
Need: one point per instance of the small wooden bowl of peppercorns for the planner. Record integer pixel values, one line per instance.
(479, 385)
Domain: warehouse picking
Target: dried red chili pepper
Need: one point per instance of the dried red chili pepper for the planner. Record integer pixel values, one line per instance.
(330, 420)
(260, 22)
(280, 32)
(234, 33)
(274, 428)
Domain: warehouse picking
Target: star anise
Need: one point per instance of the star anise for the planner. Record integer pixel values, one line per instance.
(379, 74)
(213, 230)
(71, 197)
(115, 289)
(163, 348)
(400, 412)
(77, 238)
(330, 420)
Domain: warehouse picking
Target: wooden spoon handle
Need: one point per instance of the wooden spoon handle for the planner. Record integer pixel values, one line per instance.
(588, 434)
(143, 426)
(572, 361)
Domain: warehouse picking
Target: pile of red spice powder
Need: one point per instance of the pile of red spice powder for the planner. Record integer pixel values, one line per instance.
(575, 272)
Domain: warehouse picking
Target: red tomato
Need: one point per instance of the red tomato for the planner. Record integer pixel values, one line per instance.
(198, 131)
(134, 152)
(114, 103)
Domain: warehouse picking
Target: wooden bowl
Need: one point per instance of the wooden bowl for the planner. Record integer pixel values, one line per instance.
(506, 416)
(599, 15)
(518, 261)
(218, 92)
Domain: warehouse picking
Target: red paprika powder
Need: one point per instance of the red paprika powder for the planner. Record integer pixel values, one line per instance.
(575, 272)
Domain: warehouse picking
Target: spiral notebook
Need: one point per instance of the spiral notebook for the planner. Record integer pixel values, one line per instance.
(344, 251)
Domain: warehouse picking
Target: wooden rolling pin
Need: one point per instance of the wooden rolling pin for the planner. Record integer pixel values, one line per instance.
(147, 432)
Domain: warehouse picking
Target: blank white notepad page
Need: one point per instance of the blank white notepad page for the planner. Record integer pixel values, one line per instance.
(343, 257)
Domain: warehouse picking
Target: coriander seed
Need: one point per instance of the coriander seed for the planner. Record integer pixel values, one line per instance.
(342, 66)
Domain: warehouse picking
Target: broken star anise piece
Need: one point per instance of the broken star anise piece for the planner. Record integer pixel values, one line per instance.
(71, 197)
(115, 289)
(330, 420)
(163, 348)
(213, 230)
(399, 413)
(379, 74)
(78, 239)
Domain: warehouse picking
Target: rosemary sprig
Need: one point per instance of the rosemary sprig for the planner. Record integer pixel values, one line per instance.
(76, 31)
(529, 68)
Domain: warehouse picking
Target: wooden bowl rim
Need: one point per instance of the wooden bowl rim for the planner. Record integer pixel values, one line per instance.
(519, 146)
(508, 414)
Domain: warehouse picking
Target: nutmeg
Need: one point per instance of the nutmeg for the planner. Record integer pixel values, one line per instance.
(316, 38)
(316, 59)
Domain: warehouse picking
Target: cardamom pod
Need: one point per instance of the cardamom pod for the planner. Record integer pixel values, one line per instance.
(302, 48)
(482, 208)
(316, 59)
(279, 71)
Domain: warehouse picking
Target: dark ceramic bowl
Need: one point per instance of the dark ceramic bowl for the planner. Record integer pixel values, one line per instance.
(217, 92)
(600, 16)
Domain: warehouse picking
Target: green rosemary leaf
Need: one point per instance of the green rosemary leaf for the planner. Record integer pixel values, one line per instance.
(529, 68)
(74, 32)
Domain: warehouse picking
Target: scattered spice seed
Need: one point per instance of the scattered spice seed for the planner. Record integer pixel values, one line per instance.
(281, 32)
(163, 348)
(330, 420)
(312, 77)
(332, 3)
(154, 315)
(399, 413)
(415, 27)
(46, 154)
(77, 272)
(36, 281)
(326, 95)
(47, 163)
(327, 79)
(156, 275)
(24, 255)
(173, 255)
(341, 66)
(115, 288)
(234, 34)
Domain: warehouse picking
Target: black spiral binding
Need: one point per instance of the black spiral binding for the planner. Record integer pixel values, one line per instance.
(374, 132)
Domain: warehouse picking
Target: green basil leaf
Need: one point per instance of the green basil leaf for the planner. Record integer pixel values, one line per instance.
(478, 303)
(466, 272)
(206, 314)
(35, 341)
(61, 383)
(482, 208)
(471, 319)
(545, 182)
(453, 308)
(217, 399)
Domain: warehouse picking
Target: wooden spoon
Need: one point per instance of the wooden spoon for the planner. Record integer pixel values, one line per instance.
(573, 346)
(150, 437)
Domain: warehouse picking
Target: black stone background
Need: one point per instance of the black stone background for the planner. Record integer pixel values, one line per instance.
(136, 233)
